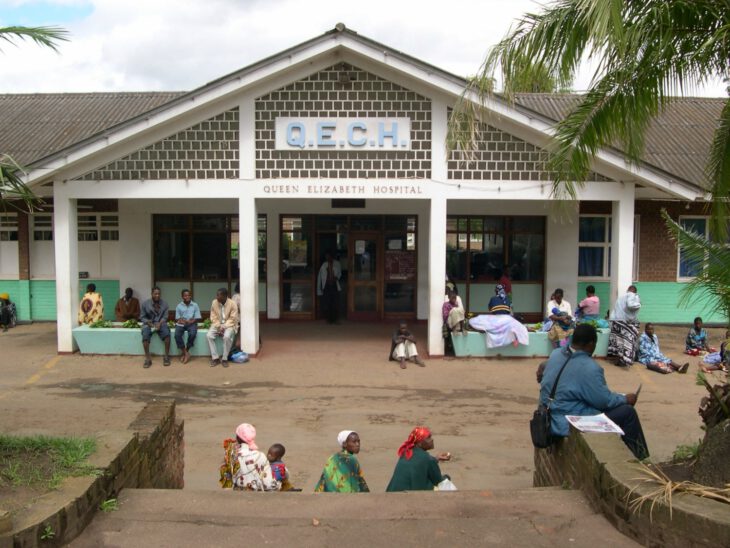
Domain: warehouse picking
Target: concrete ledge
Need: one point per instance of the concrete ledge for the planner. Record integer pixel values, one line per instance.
(604, 469)
(148, 455)
(118, 340)
(474, 344)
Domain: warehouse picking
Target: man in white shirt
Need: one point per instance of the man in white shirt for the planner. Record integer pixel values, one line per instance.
(624, 327)
(223, 323)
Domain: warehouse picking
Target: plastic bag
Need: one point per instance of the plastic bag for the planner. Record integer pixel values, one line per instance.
(446, 485)
(239, 357)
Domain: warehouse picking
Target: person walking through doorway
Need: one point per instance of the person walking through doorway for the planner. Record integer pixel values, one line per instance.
(328, 287)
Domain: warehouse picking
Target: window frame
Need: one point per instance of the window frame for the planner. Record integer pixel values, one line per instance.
(706, 219)
(606, 245)
(9, 225)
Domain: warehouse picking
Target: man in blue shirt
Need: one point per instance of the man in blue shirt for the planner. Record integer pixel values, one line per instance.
(582, 390)
(187, 315)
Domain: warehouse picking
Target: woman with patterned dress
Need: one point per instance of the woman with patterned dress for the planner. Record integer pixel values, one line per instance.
(91, 307)
(342, 473)
(244, 467)
(652, 357)
(696, 340)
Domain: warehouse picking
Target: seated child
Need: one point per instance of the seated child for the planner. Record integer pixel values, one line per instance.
(275, 453)
(696, 341)
(403, 347)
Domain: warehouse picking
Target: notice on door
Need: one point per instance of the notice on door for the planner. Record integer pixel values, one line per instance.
(400, 265)
(359, 247)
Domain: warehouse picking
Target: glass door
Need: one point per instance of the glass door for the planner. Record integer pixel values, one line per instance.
(364, 287)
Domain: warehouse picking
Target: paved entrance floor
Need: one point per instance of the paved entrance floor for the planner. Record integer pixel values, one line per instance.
(312, 380)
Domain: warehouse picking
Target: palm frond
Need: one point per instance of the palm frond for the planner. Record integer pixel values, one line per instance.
(13, 190)
(712, 284)
(43, 36)
(718, 171)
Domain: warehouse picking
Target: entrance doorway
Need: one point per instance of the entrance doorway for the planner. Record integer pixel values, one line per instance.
(365, 296)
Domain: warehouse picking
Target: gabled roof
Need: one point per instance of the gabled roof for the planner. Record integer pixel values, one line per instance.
(33, 126)
(72, 127)
(677, 141)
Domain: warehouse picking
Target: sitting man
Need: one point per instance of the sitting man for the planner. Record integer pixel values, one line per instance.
(652, 357)
(582, 390)
(403, 347)
(154, 319)
(7, 312)
(91, 307)
(127, 307)
(223, 322)
(187, 315)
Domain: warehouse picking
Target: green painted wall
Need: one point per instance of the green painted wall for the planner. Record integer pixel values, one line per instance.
(659, 302)
(36, 299)
(603, 290)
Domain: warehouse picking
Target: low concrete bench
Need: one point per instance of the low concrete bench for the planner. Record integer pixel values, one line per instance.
(118, 340)
(474, 344)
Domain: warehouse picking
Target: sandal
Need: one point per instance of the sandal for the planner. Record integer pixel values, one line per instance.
(147, 364)
(166, 361)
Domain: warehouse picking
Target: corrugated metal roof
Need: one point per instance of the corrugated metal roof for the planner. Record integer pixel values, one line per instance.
(33, 126)
(677, 141)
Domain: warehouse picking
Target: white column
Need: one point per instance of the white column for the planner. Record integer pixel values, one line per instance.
(622, 242)
(436, 274)
(273, 263)
(249, 272)
(561, 253)
(135, 250)
(65, 241)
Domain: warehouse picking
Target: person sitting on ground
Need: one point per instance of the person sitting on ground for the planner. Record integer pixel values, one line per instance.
(696, 341)
(275, 454)
(403, 347)
(342, 473)
(453, 314)
(7, 312)
(223, 322)
(91, 307)
(127, 307)
(582, 391)
(651, 356)
(187, 316)
(153, 317)
(717, 361)
(416, 470)
(500, 303)
(590, 307)
(244, 467)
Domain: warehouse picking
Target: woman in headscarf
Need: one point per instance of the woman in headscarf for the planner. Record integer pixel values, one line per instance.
(416, 470)
(245, 468)
(342, 473)
(500, 304)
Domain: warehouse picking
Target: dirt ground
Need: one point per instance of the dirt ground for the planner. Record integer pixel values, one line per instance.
(311, 381)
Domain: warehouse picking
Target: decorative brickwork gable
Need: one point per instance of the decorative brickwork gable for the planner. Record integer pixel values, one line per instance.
(208, 150)
(365, 95)
(502, 157)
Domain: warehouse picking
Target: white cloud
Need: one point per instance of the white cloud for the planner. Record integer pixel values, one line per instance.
(142, 45)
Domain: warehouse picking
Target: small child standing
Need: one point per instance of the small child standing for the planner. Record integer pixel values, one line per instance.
(275, 453)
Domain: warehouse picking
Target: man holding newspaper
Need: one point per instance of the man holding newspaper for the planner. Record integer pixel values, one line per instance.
(582, 390)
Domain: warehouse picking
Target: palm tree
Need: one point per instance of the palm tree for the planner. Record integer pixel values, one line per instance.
(646, 51)
(12, 187)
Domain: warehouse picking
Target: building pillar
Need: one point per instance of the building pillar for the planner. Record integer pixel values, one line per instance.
(561, 254)
(622, 242)
(65, 242)
(436, 274)
(22, 299)
(248, 263)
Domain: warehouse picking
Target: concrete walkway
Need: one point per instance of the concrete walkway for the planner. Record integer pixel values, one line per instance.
(528, 517)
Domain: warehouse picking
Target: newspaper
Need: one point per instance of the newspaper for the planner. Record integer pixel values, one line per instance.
(595, 423)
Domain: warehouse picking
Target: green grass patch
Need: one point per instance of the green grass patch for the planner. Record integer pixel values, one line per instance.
(685, 453)
(42, 461)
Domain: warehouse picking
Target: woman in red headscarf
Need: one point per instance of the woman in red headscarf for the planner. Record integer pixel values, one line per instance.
(416, 470)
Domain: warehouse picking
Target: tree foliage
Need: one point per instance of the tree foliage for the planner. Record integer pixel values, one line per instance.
(645, 53)
(13, 189)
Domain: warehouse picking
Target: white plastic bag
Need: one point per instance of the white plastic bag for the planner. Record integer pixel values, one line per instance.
(446, 485)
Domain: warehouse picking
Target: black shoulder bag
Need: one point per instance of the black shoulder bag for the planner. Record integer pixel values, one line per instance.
(540, 422)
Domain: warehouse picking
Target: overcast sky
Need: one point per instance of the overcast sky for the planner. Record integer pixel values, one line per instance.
(143, 45)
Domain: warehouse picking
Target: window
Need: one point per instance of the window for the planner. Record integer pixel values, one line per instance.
(9, 227)
(687, 268)
(93, 228)
(42, 227)
(594, 246)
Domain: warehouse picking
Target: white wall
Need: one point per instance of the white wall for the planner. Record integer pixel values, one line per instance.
(42, 259)
(9, 265)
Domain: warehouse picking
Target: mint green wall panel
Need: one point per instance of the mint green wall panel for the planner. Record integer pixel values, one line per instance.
(43, 299)
(109, 290)
(660, 304)
(603, 290)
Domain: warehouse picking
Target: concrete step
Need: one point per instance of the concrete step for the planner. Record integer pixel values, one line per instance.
(529, 517)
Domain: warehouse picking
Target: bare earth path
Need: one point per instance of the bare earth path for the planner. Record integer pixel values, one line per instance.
(312, 381)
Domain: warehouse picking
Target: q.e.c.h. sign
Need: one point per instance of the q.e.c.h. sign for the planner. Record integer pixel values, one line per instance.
(343, 134)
